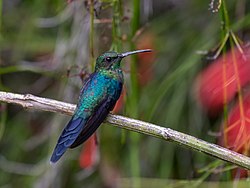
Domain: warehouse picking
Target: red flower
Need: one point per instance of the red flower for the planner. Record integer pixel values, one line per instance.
(218, 83)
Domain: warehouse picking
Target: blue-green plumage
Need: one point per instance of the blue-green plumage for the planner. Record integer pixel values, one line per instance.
(97, 98)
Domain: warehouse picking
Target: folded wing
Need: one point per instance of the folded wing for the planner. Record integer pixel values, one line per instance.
(91, 111)
(95, 120)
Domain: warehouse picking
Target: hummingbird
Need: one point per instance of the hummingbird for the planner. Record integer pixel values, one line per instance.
(97, 98)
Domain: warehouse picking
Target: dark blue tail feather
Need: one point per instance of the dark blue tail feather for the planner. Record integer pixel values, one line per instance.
(67, 138)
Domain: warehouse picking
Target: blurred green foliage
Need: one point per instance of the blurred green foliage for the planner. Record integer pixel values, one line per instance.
(41, 41)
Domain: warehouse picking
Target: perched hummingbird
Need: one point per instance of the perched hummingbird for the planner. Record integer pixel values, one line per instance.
(97, 97)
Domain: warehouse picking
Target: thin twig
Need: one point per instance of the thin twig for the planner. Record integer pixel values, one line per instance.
(44, 104)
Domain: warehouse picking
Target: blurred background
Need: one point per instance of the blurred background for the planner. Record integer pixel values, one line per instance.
(196, 81)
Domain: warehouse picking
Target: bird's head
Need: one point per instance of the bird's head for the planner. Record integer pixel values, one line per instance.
(111, 60)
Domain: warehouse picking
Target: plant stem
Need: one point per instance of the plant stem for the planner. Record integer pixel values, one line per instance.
(224, 37)
(134, 96)
(133, 99)
(116, 27)
(91, 35)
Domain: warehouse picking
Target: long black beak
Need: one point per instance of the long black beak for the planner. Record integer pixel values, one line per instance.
(122, 55)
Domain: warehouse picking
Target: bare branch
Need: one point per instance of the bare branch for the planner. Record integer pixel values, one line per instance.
(30, 101)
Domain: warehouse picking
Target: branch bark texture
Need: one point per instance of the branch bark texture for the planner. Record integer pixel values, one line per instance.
(44, 104)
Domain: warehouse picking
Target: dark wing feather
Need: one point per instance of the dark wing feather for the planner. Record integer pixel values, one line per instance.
(95, 120)
(101, 112)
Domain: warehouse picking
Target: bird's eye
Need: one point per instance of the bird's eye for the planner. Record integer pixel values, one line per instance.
(108, 59)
